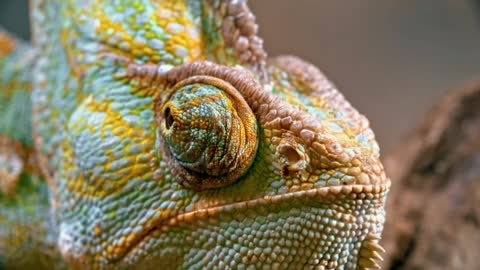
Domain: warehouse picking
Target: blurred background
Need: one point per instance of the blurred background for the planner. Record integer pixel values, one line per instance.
(391, 59)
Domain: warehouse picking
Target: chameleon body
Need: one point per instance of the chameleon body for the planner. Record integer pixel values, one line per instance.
(166, 139)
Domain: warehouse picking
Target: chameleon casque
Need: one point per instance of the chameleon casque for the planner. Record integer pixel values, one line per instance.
(156, 134)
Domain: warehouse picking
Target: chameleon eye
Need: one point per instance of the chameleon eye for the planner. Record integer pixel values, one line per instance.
(210, 132)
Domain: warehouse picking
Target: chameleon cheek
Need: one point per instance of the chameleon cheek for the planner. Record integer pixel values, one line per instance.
(209, 132)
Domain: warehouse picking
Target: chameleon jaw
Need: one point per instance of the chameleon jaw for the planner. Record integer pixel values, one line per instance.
(326, 195)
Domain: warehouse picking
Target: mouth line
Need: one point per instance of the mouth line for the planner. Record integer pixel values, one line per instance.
(324, 194)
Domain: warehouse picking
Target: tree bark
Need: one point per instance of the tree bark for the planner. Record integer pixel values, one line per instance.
(433, 211)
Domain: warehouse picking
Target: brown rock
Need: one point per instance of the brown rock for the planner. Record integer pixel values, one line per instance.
(433, 213)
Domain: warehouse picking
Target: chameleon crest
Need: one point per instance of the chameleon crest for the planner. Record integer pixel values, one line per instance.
(169, 140)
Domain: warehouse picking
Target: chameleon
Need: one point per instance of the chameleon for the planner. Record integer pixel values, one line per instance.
(159, 134)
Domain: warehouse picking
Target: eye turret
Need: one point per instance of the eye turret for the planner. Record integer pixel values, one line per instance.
(209, 130)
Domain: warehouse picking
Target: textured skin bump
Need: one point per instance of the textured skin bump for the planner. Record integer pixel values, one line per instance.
(168, 140)
(12, 159)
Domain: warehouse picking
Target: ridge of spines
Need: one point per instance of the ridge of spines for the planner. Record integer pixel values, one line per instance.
(369, 255)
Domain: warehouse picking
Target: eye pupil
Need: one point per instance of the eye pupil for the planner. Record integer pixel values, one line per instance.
(168, 118)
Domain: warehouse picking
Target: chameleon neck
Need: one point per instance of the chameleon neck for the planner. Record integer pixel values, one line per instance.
(26, 236)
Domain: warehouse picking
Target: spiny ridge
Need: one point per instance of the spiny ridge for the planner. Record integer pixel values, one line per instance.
(370, 252)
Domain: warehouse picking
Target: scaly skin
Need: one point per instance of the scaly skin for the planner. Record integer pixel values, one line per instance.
(27, 233)
(168, 140)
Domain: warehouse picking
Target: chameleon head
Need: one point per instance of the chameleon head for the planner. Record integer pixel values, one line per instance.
(315, 186)
(237, 172)
(238, 164)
